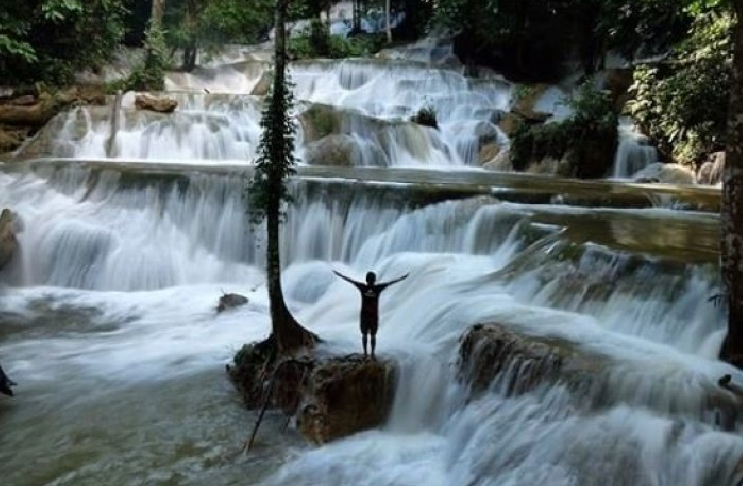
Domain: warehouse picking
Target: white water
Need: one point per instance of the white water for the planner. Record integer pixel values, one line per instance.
(634, 152)
(140, 264)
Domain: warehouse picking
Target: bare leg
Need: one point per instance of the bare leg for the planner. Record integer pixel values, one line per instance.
(363, 341)
(374, 344)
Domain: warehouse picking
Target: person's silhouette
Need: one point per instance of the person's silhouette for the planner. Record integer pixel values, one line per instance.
(369, 318)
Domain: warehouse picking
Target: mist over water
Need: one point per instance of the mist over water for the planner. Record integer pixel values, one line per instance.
(108, 322)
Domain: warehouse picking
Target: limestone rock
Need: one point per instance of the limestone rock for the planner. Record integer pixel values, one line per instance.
(666, 173)
(337, 150)
(617, 82)
(319, 121)
(35, 115)
(712, 170)
(501, 162)
(490, 352)
(508, 123)
(160, 104)
(524, 105)
(488, 152)
(23, 100)
(330, 396)
(230, 301)
(264, 84)
(10, 140)
(6, 383)
(345, 395)
(8, 241)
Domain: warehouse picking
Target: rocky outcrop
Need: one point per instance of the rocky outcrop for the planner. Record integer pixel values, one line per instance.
(329, 396)
(230, 301)
(263, 85)
(8, 240)
(665, 173)
(501, 162)
(319, 121)
(345, 395)
(6, 383)
(337, 150)
(488, 152)
(160, 104)
(24, 112)
(712, 169)
(491, 353)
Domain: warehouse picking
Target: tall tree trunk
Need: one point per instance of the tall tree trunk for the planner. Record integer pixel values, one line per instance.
(387, 14)
(287, 332)
(731, 215)
(158, 6)
(189, 53)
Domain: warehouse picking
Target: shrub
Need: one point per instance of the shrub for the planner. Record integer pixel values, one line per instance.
(426, 116)
(682, 104)
(587, 139)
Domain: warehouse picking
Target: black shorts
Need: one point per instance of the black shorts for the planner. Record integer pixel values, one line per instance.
(369, 324)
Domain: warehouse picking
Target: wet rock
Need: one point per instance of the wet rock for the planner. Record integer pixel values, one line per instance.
(336, 150)
(489, 352)
(488, 152)
(319, 121)
(8, 240)
(230, 301)
(617, 82)
(6, 383)
(501, 162)
(329, 396)
(11, 140)
(34, 115)
(711, 171)
(23, 100)
(508, 122)
(666, 173)
(345, 395)
(160, 104)
(527, 99)
(264, 84)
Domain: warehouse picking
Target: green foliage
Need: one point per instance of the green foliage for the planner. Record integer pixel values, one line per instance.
(191, 24)
(275, 153)
(319, 38)
(682, 104)
(48, 40)
(586, 139)
(426, 116)
(302, 47)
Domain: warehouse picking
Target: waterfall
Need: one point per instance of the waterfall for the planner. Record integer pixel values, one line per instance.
(634, 152)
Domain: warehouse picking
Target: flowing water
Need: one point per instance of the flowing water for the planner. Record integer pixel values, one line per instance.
(107, 315)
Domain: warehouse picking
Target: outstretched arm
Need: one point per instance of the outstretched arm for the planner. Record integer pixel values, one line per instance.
(347, 279)
(384, 285)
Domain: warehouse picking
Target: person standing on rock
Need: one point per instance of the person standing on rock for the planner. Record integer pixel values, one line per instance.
(369, 318)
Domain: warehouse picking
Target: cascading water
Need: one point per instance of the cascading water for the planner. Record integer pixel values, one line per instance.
(108, 323)
(634, 152)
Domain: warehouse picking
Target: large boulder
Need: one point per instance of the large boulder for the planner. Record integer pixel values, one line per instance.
(345, 395)
(338, 150)
(501, 162)
(488, 152)
(263, 86)
(319, 121)
(712, 169)
(329, 396)
(230, 301)
(487, 352)
(160, 104)
(665, 173)
(8, 240)
(28, 110)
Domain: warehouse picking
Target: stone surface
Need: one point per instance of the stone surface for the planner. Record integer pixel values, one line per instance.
(489, 352)
(160, 104)
(508, 122)
(666, 173)
(230, 301)
(8, 240)
(336, 150)
(711, 170)
(488, 152)
(330, 396)
(345, 395)
(501, 162)
(263, 85)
